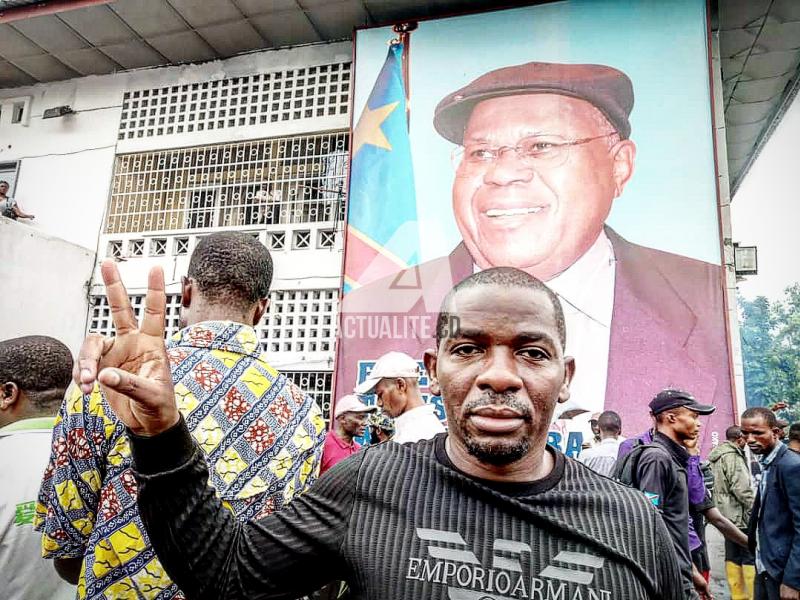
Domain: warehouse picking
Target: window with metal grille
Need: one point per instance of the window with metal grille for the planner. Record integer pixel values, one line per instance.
(300, 321)
(114, 249)
(181, 246)
(326, 238)
(277, 240)
(136, 247)
(158, 246)
(288, 95)
(301, 240)
(318, 384)
(298, 179)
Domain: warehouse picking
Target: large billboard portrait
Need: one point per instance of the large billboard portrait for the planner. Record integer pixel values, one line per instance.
(572, 140)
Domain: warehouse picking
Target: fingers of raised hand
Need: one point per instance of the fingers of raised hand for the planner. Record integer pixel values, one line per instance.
(121, 310)
(153, 409)
(92, 350)
(155, 304)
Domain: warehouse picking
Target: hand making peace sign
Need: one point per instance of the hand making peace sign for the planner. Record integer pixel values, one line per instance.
(132, 367)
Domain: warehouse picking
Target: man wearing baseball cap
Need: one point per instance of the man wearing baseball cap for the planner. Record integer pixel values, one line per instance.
(395, 381)
(542, 151)
(660, 470)
(350, 419)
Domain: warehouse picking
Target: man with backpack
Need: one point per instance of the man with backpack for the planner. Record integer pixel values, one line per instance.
(658, 469)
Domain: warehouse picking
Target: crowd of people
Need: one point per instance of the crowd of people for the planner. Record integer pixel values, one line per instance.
(193, 469)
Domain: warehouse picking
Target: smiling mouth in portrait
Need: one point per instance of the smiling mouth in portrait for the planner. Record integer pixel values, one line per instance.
(508, 215)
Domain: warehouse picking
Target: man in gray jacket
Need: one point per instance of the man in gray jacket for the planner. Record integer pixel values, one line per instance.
(733, 495)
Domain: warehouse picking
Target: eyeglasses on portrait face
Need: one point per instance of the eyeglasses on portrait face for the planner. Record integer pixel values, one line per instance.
(535, 151)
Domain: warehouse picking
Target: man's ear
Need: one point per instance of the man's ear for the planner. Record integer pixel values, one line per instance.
(10, 395)
(261, 308)
(569, 373)
(624, 155)
(186, 292)
(430, 360)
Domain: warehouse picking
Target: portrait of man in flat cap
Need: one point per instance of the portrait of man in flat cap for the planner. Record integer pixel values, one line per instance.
(542, 150)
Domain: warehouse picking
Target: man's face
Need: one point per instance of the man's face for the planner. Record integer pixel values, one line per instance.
(761, 438)
(389, 397)
(538, 220)
(354, 424)
(501, 373)
(3, 188)
(686, 424)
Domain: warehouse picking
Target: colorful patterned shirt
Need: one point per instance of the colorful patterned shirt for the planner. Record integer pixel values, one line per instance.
(262, 437)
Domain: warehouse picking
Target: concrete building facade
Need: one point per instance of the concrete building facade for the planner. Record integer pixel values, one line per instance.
(149, 161)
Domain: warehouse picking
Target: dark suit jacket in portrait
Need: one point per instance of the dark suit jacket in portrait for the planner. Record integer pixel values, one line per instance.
(667, 330)
(777, 519)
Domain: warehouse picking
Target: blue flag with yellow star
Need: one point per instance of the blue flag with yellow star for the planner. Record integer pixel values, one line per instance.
(382, 231)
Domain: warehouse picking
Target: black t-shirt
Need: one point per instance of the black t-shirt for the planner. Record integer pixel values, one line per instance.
(399, 522)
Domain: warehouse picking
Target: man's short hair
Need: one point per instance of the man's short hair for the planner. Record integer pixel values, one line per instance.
(41, 366)
(609, 422)
(4, 181)
(231, 267)
(757, 412)
(504, 277)
(733, 433)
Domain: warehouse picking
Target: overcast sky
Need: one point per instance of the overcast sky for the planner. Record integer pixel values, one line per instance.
(766, 211)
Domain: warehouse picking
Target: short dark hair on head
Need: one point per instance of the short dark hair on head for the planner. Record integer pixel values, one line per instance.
(733, 433)
(609, 422)
(760, 412)
(4, 181)
(41, 367)
(503, 277)
(231, 267)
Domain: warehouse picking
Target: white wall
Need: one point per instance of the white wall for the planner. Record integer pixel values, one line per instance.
(44, 285)
(66, 163)
(737, 364)
(67, 194)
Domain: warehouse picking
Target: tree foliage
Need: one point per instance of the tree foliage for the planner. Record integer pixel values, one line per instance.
(770, 333)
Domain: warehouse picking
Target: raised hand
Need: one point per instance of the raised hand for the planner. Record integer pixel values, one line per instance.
(132, 367)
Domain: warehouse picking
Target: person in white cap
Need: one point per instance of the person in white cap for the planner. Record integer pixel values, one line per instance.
(395, 381)
(349, 421)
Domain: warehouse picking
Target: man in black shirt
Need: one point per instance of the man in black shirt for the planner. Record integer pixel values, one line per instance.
(486, 511)
(661, 471)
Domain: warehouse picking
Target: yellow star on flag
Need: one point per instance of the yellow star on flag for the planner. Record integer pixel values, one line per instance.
(368, 130)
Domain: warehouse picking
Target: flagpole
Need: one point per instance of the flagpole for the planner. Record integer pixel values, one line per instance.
(403, 31)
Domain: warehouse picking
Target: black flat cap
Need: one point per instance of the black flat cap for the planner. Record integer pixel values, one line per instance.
(669, 399)
(607, 88)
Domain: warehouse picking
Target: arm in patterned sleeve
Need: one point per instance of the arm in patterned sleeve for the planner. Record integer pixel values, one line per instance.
(70, 492)
(210, 555)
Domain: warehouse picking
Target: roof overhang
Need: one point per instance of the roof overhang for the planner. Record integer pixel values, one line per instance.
(43, 41)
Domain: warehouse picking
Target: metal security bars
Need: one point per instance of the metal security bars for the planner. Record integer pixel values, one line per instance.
(298, 179)
(318, 384)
